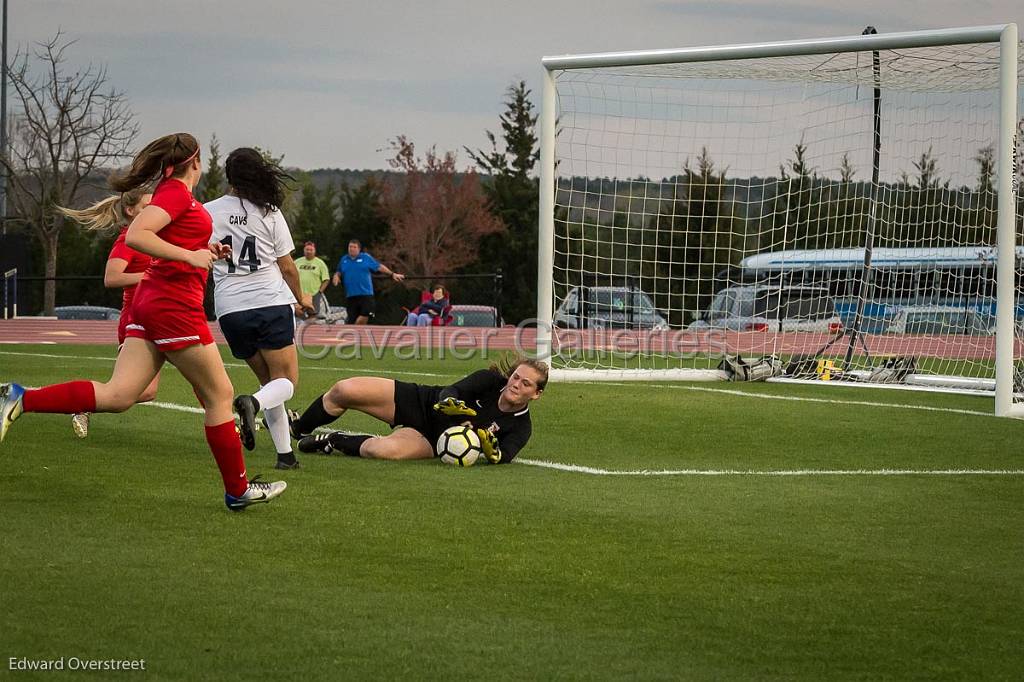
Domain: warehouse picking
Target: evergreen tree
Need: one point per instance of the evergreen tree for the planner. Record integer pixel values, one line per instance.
(213, 184)
(846, 170)
(982, 220)
(362, 216)
(798, 212)
(513, 195)
(695, 237)
(316, 220)
(851, 208)
(927, 168)
(924, 207)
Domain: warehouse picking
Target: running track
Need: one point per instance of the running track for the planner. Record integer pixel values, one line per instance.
(52, 331)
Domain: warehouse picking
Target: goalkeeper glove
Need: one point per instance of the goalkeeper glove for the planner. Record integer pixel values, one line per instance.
(454, 408)
(489, 443)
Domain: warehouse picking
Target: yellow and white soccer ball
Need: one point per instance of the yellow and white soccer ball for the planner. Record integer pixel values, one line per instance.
(459, 446)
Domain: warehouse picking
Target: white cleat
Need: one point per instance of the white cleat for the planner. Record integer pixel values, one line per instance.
(11, 396)
(80, 424)
(258, 492)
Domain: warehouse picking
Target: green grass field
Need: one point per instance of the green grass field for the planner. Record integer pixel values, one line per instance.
(119, 546)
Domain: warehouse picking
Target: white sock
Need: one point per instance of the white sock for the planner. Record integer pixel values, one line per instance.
(277, 424)
(274, 393)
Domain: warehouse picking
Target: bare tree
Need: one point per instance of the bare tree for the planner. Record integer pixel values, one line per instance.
(67, 124)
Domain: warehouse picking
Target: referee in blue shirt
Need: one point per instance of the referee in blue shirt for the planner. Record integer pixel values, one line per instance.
(354, 270)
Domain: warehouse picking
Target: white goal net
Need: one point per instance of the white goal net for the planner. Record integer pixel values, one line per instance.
(834, 204)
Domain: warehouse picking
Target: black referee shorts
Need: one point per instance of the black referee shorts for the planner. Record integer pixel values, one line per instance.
(247, 331)
(358, 306)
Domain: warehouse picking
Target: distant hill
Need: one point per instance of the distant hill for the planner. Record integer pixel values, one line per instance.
(323, 177)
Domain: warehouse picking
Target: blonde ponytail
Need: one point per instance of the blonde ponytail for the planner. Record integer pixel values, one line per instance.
(100, 216)
(107, 213)
(510, 361)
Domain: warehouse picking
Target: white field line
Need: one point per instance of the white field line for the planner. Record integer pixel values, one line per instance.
(339, 370)
(593, 471)
(653, 385)
(172, 406)
(793, 398)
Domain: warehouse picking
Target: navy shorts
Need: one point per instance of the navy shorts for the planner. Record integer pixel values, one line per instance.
(248, 331)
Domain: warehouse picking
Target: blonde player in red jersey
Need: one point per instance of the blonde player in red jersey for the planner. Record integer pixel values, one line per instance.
(124, 270)
(168, 322)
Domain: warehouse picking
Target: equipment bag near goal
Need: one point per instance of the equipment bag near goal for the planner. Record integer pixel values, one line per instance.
(893, 371)
(760, 369)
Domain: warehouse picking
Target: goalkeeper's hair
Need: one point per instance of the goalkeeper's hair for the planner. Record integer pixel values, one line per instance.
(256, 178)
(107, 213)
(510, 362)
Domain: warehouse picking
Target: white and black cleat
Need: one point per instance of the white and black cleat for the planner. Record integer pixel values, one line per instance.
(258, 492)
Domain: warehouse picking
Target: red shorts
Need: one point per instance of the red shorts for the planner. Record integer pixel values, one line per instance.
(122, 324)
(167, 323)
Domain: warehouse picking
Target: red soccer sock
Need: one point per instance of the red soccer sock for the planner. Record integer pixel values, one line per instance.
(69, 398)
(227, 450)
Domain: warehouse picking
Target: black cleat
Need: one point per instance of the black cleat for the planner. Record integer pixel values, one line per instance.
(318, 442)
(247, 407)
(286, 460)
(293, 417)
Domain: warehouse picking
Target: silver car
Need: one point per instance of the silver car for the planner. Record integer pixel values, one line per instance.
(608, 308)
(772, 308)
(942, 320)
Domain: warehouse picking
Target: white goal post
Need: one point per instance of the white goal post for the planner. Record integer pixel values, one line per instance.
(846, 206)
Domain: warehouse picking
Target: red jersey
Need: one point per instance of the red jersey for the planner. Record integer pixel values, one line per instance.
(137, 262)
(190, 228)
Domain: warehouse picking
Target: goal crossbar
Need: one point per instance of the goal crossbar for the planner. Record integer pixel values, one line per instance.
(785, 48)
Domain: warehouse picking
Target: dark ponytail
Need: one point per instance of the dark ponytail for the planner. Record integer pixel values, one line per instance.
(256, 179)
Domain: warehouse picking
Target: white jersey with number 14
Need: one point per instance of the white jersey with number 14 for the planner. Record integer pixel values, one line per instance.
(251, 278)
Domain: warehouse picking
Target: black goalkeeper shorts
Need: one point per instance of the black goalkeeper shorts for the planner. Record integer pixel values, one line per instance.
(414, 408)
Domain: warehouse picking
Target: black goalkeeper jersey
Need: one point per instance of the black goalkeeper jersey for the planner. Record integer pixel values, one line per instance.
(480, 391)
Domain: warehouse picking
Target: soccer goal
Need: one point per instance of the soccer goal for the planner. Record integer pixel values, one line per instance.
(846, 206)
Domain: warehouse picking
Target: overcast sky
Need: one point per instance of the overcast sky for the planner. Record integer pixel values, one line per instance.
(328, 82)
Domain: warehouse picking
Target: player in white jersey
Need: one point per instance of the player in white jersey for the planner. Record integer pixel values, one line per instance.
(255, 292)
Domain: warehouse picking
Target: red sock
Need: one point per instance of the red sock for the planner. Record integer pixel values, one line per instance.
(69, 398)
(227, 450)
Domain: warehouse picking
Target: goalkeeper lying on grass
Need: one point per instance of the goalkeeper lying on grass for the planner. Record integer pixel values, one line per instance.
(496, 401)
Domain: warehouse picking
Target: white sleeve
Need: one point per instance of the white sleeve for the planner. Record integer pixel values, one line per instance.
(283, 244)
